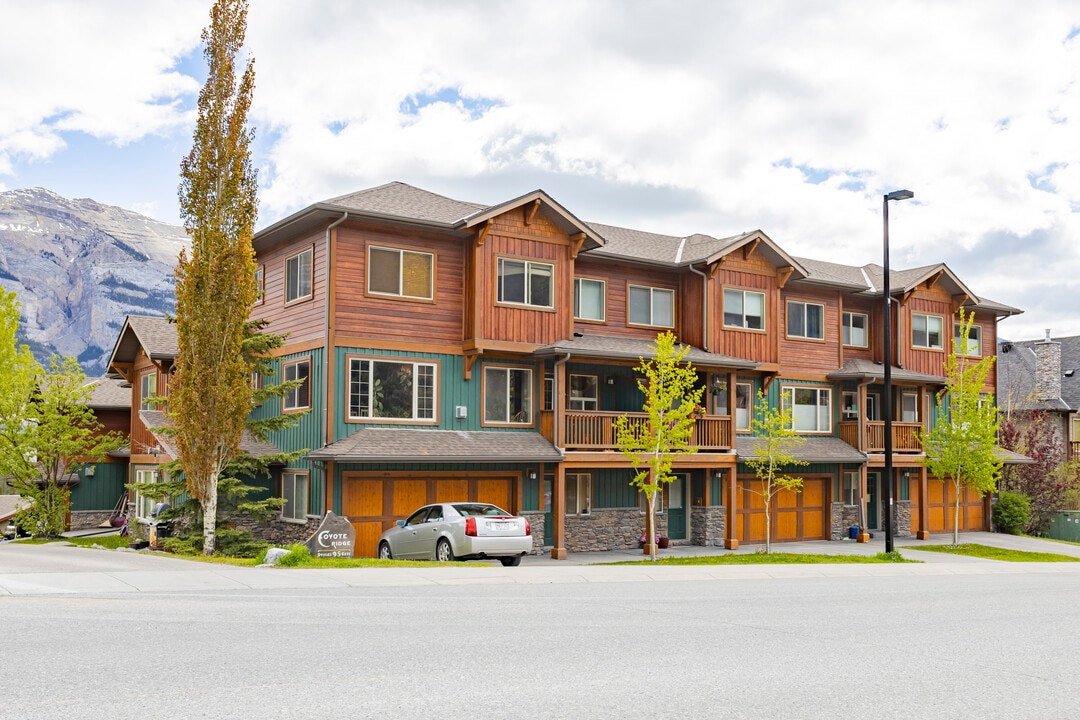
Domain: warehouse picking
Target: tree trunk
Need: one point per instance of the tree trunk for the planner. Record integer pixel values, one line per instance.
(209, 508)
(650, 528)
(956, 514)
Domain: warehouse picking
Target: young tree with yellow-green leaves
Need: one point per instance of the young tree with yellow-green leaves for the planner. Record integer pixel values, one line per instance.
(210, 395)
(652, 443)
(775, 442)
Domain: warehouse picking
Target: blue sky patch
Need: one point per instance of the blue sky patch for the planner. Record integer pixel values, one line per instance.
(475, 107)
(813, 175)
(1044, 180)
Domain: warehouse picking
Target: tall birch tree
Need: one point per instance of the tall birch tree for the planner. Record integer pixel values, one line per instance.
(210, 395)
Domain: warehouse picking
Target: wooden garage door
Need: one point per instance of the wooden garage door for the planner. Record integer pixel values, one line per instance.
(940, 499)
(795, 516)
(375, 504)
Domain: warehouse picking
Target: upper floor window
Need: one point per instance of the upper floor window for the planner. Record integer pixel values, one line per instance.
(855, 326)
(811, 408)
(651, 306)
(850, 408)
(549, 391)
(298, 276)
(299, 398)
(508, 395)
(805, 320)
(391, 389)
(401, 273)
(909, 407)
(526, 283)
(260, 286)
(926, 331)
(589, 299)
(147, 389)
(974, 340)
(583, 392)
(744, 309)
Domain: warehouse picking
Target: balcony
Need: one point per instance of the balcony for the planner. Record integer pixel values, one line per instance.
(905, 436)
(595, 430)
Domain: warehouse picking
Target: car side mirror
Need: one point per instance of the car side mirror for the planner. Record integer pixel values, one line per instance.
(400, 523)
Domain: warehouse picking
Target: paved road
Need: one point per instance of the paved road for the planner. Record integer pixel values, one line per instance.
(151, 637)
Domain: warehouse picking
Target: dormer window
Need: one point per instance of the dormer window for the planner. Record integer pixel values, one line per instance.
(522, 282)
(744, 309)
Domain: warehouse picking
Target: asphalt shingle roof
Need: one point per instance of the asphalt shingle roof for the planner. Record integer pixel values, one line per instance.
(866, 370)
(432, 446)
(249, 444)
(106, 392)
(623, 348)
(397, 199)
(814, 450)
(1016, 376)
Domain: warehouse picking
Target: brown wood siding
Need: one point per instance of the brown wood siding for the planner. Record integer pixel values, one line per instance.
(875, 340)
(357, 314)
(618, 278)
(758, 274)
(988, 323)
(141, 438)
(810, 356)
(114, 420)
(302, 320)
(927, 302)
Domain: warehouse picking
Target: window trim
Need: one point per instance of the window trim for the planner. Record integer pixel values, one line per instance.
(806, 304)
(941, 332)
(528, 291)
(580, 478)
(764, 310)
(311, 278)
(285, 398)
(845, 414)
(484, 422)
(603, 299)
(401, 269)
(977, 329)
(350, 358)
(866, 328)
(652, 310)
(904, 395)
(749, 410)
(569, 393)
(816, 388)
(143, 405)
(296, 473)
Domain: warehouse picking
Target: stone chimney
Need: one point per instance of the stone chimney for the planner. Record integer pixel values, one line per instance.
(1047, 368)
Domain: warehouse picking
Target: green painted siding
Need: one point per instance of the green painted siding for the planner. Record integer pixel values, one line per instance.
(102, 490)
(612, 488)
(530, 493)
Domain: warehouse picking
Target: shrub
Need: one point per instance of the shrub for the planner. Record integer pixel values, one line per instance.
(229, 543)
(298, 556)
(1011, 512)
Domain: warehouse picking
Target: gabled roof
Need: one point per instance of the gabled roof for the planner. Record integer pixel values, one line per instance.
(864, 370)
(563, 218)
(155, 335)
(372, 444)
(623, 348)
(848, 277)
(109, 393)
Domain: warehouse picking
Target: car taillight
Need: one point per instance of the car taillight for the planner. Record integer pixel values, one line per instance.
(528, 529)
(470, 526)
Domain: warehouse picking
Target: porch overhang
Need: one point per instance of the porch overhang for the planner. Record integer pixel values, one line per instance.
(633, 349)
(829, 450)
(390, 445)
(864, 371)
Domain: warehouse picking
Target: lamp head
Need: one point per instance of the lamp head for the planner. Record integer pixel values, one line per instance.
(899, 195)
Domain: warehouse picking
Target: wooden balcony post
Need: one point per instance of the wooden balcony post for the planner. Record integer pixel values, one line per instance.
(558, 514)
(924, 521)
(731, 542)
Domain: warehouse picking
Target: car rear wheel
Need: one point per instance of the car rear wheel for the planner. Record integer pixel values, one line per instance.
(511, 561)
(443, 551)
(384, 551)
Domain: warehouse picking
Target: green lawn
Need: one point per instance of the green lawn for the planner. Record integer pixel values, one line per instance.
(774, 559)
(992, 553)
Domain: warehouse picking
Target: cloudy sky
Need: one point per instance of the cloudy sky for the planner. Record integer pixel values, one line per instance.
(709, 116)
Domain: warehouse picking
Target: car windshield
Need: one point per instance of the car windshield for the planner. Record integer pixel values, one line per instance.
(477, 510)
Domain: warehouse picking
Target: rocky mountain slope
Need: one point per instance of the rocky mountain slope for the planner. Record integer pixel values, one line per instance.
(79, 267)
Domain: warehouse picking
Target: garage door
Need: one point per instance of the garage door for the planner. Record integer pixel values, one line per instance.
(795, 516)
(940, 498)
(375, 504)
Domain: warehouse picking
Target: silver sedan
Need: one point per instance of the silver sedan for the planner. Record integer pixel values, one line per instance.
(458, 531)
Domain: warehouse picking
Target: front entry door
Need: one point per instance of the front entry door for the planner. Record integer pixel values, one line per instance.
(872, 483)
(677, 508)
(549, 516)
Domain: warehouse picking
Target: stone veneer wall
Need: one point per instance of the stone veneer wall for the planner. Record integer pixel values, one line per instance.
(536, 524)
(902, 518)
(707, 525)
(843, 517)
(609, 529)
(88, 519)
(278, 531)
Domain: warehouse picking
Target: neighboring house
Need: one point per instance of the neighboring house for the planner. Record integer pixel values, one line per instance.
(456, 351)
(98, 491)
(1043, 375)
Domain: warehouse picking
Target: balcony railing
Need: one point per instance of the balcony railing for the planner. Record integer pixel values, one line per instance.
(595, 430)
(905, 436)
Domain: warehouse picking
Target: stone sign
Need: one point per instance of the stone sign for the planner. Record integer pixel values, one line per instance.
(336, 537)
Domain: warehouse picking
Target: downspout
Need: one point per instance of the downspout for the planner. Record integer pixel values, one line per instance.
(327, 349)
(896, 347)
(704, 307)
(555, 403)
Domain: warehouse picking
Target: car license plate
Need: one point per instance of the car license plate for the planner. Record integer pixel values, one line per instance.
(500, 525)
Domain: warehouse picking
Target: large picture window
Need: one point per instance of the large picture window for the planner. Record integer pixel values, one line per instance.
(402, 273)
(805, 320)
(391, 389)
(974, 341)
(926, 331)
(855, 329)
(811, 408)
(299, 398)
(744, 309)
(295, 489)
(589, 299)
(525, 283)
(652, 306)
(508, 395)
(298, 276)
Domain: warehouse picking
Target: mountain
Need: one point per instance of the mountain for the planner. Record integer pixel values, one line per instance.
(79, 267)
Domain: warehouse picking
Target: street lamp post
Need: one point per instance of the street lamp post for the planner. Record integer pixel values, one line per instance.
(888, 409)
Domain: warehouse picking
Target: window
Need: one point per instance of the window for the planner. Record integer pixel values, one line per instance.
(651, 306)
(974, 343)
(926, 331)
(657, 499)
(298, 276)
(1075, 429)
(147, 389)
(259, 285)
(719, 392)
(744, 405)
(508, 395)
(144, 506)
(578, 493)
(850, 490)
(294, 489)
(855, 325)
(525, 283)
(805, 320)
(256, 380)
(402, 273)
(872, 405)
(744, 309)
(811, 408)
(589, 299)
(583, 392)
(549, 391)
(298, 398)
(850, 408)
(389, 389)
(909, 407)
